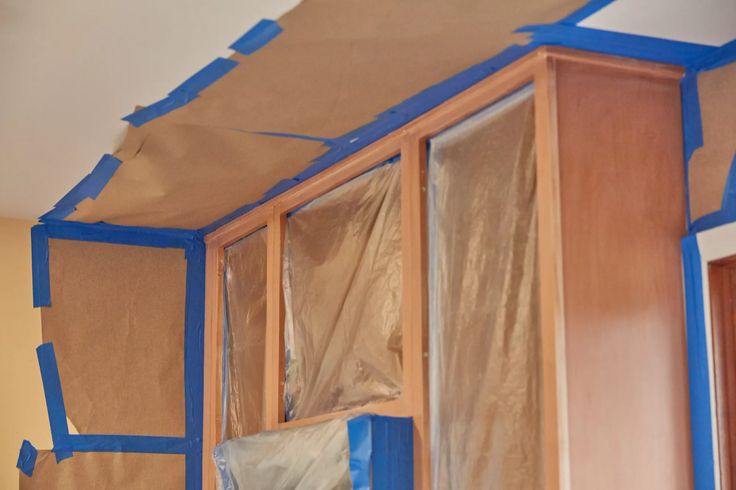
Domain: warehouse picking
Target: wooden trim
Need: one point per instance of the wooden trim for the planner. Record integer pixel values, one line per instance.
(552, 316)
(395, 407)
(274, 370)
(646, 68)
(212, 409)
(414, 297)
(722, 284)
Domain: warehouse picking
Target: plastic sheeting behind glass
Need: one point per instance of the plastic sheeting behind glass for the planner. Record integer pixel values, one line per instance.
(311, 457)
(245, 336)
(342, 293)
(485, 391)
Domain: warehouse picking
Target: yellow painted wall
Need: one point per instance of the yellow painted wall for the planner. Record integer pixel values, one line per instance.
(22, 407)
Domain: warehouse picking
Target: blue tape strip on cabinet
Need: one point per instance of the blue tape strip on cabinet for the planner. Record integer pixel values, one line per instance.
(257, 37)
(697, 354)
(184, 93)
(361, 450)
(27, 458)
(89, 187)
(40, 266)
(393, 452)
(54, 400)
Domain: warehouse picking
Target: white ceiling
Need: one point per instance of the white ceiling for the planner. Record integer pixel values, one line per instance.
(71, 69)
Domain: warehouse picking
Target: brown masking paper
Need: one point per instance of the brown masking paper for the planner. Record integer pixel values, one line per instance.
(107, 471)
(117, 324)
(342, 295)
(336, 65)
(485, 407)
(710, 164)
(245, 324)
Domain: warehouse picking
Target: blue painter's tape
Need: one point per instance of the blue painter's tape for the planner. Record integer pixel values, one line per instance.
(257, 37)
(54, 400)
(158, 109)
(691, 121)
(89, 187)
(40, 266)
(697, 354)
(722, 56)
(618, 44)
(194, 361)
(125, 235)
(127, 444)
(585, 11)
(27, 458)
(393, 449)
(205, 77)
(361, 450)
(184, 93)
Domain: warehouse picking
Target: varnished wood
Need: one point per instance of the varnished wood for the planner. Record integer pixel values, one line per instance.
(551, 304)
(274, 371)
(722, 283)
(414, 294)
(622, 216)
(212, 413)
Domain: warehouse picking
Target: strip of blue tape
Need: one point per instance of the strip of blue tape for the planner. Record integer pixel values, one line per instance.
(585, 11)
(40, 266)
(697, 354)
(381, 452)
(54, 400)
(184, 93)
(618, 44)
(191, 444)
(393, 452)
(27, 458)
(89, 187)
(257, 37)
(361, 451)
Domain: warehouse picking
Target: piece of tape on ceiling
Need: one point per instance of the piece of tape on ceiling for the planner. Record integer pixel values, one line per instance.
(184, 93)
(89, 187)
(27, 458)
(257, 37)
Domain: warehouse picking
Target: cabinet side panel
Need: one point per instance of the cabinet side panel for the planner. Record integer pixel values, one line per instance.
(622, 211)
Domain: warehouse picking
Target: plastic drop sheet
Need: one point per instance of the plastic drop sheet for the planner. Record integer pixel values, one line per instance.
(342, 293)
(485, 380)
(245, 336)
(304, 458)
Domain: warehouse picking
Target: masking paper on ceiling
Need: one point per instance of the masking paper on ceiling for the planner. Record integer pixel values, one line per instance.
(116, 321)
(485, 366)
(106, 471)
(245, 327)
(710, 164)
(336, 65)
(342, 295)
(311, 457)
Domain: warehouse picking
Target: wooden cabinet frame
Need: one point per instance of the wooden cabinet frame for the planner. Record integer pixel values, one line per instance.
(410, 143)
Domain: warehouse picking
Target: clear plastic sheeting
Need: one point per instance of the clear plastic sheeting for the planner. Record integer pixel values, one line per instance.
(342, 292)
(304, 458)
(485, 367)
(245, 336)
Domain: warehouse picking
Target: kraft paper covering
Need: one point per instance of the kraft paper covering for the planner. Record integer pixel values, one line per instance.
(484, 328)
(117, 324)
(107, 471)
(311, 457)
(710, 164)
(336, 65)
(245, 283)
(342, 293)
